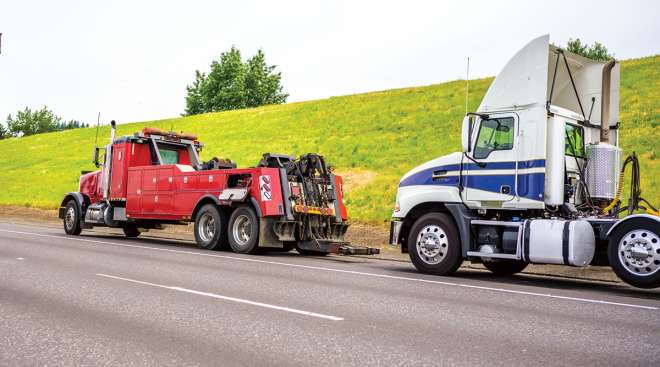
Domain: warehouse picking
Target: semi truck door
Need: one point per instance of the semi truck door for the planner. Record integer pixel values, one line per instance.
(117, 175)
(493, 146)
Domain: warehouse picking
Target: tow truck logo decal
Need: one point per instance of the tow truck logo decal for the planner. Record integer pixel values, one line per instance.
(264, 187)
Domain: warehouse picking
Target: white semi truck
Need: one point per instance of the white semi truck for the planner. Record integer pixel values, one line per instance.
(538, 179)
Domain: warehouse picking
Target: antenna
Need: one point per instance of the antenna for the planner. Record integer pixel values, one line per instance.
(467, 84)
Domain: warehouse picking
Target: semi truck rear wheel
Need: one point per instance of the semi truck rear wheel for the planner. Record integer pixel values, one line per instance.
(72, 218)
(244, 231)
(634, 252)
(210, 228)
(505, 267)
(433, 244)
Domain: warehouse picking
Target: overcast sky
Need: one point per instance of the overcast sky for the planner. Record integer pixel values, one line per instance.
(131, 60)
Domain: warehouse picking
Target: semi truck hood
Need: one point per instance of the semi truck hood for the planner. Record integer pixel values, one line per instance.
(427, 168)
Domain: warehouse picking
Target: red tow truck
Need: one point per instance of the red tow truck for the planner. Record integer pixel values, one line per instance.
(156, 177)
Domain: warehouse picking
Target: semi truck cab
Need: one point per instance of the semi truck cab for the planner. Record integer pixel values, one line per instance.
(537, 179)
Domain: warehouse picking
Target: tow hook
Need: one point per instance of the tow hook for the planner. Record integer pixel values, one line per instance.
(358, 250)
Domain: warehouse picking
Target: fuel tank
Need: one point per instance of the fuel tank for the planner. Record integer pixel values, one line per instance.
(555, 241)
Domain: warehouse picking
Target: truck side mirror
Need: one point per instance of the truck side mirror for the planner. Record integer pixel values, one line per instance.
(95, 157)
(466, 134)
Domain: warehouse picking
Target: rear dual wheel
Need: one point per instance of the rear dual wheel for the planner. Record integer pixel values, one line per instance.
(240, 233)
(244, 231)
(211, 228)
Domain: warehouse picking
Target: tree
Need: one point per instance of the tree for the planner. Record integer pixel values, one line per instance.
(232, 84)
(28, 122)
(596, 51)
(262, 84)
(4, 133)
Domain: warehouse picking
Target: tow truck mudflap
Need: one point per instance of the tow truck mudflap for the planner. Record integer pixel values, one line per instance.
(337, 247)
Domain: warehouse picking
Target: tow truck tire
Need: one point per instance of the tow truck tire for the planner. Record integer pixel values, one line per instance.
(243, 231)
(130, 230)
(634, 252)
(72, 218)
(505, 268)
(434, 246)
(210, 228)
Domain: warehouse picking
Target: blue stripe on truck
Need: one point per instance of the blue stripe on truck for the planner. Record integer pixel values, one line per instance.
(530, 185)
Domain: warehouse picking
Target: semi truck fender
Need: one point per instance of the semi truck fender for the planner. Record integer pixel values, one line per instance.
(408, 197)
(81, 199)
(255, 206)
(462, 216)
(648, 216)
(206, 199)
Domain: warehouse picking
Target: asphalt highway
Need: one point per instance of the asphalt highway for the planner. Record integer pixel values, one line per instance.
(101, 299)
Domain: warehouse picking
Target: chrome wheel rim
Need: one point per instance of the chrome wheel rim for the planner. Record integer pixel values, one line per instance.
(639, 252)
(70, 218)
(431, 244)
(242, 229)
(206, 229)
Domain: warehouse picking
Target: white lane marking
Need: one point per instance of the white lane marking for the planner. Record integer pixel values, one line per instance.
(226, 298)
(546, 295)
(20, 258)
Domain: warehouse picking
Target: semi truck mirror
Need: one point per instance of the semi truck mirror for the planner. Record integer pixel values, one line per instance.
(466, 133)
(95, 157)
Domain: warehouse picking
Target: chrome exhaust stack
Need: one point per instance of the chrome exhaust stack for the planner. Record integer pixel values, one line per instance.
(603, 159)
(605, 102)
(107, 162)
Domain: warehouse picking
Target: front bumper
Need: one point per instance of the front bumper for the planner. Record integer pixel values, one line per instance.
(395, 232)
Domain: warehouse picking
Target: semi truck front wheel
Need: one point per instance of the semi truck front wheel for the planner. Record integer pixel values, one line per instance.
(634, 252)
(433, 244)
(72, 218)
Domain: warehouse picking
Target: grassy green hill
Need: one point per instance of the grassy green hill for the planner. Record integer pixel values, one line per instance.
(372, 139)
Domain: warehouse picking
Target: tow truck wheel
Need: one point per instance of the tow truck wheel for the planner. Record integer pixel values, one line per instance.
(434, 246)
(210, 229)
(505, 267)
(72, 218)
(634, 252)
(244, 231)
(130, 230)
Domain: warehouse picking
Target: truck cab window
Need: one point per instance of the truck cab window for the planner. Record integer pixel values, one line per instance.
(169, 155)
(574, 141)
(494, 134)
